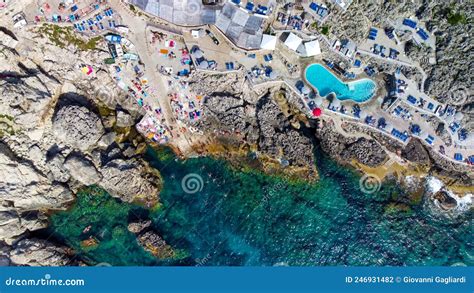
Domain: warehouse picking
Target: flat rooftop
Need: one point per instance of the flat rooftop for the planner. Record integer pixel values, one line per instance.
(243, 28)
(180, 12)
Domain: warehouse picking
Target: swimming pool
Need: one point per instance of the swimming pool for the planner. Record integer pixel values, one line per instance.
(325, 82)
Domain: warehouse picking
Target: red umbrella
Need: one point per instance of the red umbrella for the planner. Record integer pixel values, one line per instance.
(317, 112)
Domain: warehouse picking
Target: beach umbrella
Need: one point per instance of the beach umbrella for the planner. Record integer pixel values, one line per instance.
(203, 65)
(305, 90)
(458, 116)
(318, 100)
(336, 102)
(273, 75)
(198, 54)
(317, 112)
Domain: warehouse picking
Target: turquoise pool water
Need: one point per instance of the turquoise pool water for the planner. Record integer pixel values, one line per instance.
(325, 82)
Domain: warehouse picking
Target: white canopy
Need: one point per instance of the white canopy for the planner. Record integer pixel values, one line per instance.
(268, 42)
(312, 48)
(203, 65)
(293, 41)
(305, 90)
(197, 54)
(336, 102)
(458, 116)
(318, 100)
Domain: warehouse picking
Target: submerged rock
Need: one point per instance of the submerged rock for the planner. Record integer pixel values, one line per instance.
(138, 227)
(154, 244)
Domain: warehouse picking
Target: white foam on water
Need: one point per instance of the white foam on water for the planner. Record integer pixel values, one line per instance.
(433, 184)
(463, 203)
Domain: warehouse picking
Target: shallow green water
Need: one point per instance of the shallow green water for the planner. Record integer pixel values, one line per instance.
(247, 218)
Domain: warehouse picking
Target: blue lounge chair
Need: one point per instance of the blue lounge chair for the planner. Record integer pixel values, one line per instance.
(249, 6)
(410, 23)
(411, 99)
(458, 157)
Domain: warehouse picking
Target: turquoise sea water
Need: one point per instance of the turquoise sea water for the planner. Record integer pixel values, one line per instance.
(248, 218)
(325, 82)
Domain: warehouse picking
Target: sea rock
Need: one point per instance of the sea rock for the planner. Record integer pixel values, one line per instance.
(125, 180)
(57, 170)
(138, 227)
(77, 126)
(82, 169)
(153, 243)
(39, 252)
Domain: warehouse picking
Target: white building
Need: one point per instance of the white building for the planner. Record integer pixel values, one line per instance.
(293, 42)
(309, 49)
(268, 42)
(344, 4)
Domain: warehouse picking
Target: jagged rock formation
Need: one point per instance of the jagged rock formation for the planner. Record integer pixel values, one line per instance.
(150, 240)
(56, 141)
(82, 170)
(367, 152)
(341, 148)
(138, 227)
(415, 152)
(77, 126)
(39, 252)
(258, 122)
(124, 179)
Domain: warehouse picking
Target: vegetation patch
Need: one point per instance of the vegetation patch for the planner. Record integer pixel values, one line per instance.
(65, 36)
(6, 125)
(456, 18)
